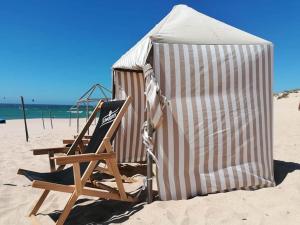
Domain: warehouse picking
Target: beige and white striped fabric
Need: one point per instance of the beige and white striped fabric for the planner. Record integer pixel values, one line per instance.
(216, 133)
(128, 143)
(153, 101)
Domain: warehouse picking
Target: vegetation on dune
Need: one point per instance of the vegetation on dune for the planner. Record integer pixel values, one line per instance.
(285, 94)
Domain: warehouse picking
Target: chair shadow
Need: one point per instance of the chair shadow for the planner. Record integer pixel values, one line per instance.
(106, 211)
(282, 169)
(102, 211)
(99, 212)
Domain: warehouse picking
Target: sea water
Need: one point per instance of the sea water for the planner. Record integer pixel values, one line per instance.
(14, 111)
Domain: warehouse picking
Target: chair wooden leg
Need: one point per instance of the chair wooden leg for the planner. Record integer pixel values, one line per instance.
(51, 161)
(67, 209)
(39, 203)
(116, 173)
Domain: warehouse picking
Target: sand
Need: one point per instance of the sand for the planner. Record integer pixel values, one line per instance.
(277, 205)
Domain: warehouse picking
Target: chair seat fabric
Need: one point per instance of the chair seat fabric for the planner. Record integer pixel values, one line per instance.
(64, 177)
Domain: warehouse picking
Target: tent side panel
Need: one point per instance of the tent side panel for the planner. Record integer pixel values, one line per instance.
(217, 131)
(128, 142)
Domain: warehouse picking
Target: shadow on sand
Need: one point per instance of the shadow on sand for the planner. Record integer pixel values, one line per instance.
(99, 212)
(90, 212)
(282, 169)
(110, 211)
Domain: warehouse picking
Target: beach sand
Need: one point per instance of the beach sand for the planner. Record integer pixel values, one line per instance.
(277, 205)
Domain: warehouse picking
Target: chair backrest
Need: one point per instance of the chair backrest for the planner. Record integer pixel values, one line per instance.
(108, 113)
(109, 121)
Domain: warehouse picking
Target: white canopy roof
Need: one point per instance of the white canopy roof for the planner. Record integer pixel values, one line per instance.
(185, 25)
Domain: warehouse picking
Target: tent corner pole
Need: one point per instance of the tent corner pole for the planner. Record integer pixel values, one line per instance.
(149, 163)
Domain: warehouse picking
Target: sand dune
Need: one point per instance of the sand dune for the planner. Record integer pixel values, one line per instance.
(278, 205)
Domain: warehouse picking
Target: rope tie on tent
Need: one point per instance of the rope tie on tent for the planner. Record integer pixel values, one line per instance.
(153, 84)
(142, 187)
(155, 103)
(148, 141)
(165, 102)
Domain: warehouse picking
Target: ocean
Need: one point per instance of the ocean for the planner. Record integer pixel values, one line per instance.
(14, 111)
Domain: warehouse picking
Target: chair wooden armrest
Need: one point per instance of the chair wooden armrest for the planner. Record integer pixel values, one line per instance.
(44, 151)
(63, 160)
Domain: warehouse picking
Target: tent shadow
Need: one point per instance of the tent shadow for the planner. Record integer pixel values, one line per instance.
(125, 169)
(282, 169)
(131, 170)
(100, 211)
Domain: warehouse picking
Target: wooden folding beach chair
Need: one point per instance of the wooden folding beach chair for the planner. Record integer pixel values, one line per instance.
(75, 179)
(78, 144)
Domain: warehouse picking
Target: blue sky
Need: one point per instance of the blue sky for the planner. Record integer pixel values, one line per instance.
(53, 50)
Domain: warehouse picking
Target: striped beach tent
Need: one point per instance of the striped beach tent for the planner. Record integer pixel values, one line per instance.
(214, 94)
